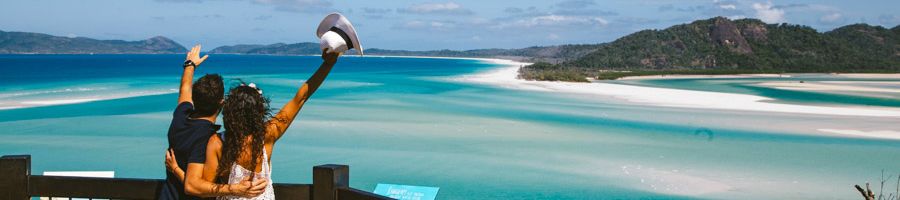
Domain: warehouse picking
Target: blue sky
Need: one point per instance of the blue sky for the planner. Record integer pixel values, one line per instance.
(414, 25)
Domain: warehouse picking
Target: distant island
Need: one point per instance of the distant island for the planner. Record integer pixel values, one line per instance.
(712, 46)
(303, 48)
(37, 43)
(533, 54)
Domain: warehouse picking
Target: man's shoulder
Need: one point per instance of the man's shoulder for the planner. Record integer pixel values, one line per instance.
(180, 116)
(184, 108)
(185, 104)
(192, 132)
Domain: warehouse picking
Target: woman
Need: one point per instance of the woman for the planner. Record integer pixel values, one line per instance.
(244, 150)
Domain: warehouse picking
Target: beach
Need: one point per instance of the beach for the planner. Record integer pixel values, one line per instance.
(506, 77)
(833, 86)
(679, 76)
(870, 75)
(881, 89)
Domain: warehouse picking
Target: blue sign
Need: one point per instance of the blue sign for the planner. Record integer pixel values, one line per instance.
(406, 192)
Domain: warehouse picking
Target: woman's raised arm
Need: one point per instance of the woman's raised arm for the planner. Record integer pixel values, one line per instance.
(282, 120)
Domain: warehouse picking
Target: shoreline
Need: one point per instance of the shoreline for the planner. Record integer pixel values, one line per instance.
(506, 77)
(763, 75)
(830, 86)
(688, 76)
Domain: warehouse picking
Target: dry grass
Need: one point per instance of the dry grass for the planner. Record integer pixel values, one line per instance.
(868, 194)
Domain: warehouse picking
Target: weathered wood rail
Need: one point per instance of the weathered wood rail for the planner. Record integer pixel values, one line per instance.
(330, 182)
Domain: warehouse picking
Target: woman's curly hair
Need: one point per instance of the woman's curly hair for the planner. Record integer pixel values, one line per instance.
(245, 115)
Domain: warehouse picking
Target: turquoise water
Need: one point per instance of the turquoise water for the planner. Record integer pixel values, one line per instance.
(407, 121)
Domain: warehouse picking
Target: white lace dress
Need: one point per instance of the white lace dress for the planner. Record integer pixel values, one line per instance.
(238, 173)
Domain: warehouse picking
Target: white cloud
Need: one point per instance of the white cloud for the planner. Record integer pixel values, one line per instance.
(556, 20)
(833, 17)
(576, 3)
(728, 6)
(376, 10)
(436, 8)
(553, 36)
(725, 5)
(767, 13)
(304, 6)
(889, 20)
(181, 1)
(427, 25)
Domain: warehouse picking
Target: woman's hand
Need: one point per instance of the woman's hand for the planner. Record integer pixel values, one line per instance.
(171, 163)
(194, 56)
(249, 189)
(330, 58)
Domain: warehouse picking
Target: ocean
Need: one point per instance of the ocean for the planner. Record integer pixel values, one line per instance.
(413, 121)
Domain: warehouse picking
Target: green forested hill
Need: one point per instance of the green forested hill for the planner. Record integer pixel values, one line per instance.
(720, 45)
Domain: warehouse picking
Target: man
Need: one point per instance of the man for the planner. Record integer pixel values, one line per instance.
(193, 122)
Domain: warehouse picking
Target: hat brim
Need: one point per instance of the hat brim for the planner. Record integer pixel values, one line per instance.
(339, 21)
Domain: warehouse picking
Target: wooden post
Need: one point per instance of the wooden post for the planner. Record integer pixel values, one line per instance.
(327, 179)
(14, 173)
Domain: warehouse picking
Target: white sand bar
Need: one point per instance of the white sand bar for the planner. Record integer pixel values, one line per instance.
(507, 77)
(678, 76)
(891, 76)
(890, 134)
(57, 102)
(832, 86)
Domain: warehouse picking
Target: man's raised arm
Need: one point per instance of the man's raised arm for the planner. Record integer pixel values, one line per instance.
(190, 63)
(279, 124)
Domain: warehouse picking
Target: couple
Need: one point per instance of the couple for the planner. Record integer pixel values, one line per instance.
(236, 163)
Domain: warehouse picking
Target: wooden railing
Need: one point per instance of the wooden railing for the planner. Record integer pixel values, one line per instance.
(330, 182)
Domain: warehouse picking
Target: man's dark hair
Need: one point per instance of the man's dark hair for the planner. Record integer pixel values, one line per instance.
(207, 94)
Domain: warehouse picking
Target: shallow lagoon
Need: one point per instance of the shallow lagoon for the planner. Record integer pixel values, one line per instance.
(407, 121)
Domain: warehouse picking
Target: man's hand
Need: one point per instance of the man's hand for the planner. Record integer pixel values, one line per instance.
(248, 189)
(171, 163)
(330, 58)
(194, 56)
(184, 91)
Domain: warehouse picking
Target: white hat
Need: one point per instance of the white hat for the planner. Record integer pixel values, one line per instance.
(337, 34)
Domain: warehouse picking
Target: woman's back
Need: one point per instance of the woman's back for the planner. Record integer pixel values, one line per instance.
(239, 173)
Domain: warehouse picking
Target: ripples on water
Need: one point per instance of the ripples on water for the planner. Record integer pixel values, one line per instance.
(397, 120)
